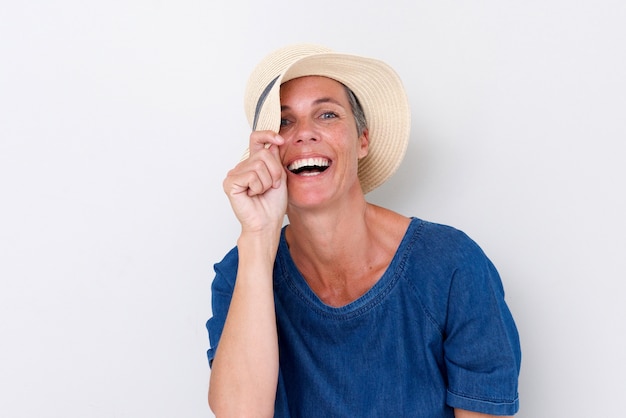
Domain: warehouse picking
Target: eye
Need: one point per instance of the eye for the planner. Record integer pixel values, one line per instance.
(328, 115)
(284, 122)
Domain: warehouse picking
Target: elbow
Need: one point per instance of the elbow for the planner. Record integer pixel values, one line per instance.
(229, 408)
(239, 413)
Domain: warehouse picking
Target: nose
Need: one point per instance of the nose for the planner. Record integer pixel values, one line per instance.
(305, 132)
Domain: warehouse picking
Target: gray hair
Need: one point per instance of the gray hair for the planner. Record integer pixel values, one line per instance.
(357, 111)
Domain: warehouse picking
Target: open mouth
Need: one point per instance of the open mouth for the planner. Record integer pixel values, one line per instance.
(309, 166)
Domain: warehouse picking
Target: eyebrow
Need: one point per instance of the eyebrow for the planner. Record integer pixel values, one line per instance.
(321, 100)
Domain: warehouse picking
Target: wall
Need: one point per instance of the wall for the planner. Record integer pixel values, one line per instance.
(118, 121)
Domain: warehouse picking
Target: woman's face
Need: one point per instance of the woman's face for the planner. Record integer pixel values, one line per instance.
(322, 147)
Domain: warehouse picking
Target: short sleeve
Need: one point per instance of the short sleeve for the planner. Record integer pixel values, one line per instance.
(221, 295)
(481, 342)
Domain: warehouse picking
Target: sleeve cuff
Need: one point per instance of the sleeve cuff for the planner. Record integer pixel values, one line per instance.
(485, 406)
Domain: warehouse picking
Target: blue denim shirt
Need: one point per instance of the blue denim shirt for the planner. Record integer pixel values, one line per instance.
(433, 334)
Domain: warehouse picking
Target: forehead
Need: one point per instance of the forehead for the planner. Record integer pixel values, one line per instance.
(312, 86)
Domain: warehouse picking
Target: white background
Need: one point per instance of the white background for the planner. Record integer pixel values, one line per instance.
(119, 120)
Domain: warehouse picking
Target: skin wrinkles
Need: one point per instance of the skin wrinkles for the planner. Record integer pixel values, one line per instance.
(317, 121)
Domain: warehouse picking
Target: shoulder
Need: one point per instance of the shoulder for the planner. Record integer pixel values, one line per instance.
(447, 259)
(230, 259)
(436, 257)
(439, 242)
(226, 270)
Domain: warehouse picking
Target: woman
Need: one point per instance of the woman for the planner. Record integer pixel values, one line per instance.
(350, 310)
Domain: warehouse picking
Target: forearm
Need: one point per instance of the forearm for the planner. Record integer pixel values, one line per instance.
(244, 374)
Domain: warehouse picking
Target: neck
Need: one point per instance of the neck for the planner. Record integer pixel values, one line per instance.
(328, 234)
(342, 253)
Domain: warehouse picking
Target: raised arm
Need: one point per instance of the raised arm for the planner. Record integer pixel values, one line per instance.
(244, 372)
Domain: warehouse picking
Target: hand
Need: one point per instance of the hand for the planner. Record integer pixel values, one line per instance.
(257, 186)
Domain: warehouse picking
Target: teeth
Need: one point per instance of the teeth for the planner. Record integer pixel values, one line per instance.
(308, 162)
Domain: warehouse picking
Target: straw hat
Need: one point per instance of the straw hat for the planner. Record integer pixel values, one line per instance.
(375, 84)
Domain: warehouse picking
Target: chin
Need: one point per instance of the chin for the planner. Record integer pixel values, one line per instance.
(308, 197)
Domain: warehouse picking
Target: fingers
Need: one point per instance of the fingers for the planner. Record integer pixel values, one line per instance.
(260, 140)
(261, 171)
(262, 175)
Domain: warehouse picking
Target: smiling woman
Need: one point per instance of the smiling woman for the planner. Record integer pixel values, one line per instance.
(351, 309)
(318, 127)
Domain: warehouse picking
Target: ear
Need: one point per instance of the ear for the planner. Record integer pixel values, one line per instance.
(364, 143)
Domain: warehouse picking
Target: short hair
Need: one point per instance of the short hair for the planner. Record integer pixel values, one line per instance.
(357, 111)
